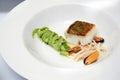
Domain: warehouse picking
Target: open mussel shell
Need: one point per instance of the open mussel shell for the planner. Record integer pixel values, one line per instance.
(99, 39)
(91, 58)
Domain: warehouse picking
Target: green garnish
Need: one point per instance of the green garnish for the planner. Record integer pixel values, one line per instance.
(53, 39)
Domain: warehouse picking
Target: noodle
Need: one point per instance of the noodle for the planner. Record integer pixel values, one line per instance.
(86, 50)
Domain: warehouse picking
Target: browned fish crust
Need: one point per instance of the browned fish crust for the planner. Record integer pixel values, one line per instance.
(80, 28)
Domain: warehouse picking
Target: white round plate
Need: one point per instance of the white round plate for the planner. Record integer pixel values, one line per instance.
(34, 60)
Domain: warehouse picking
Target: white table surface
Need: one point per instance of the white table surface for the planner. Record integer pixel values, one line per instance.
(110, 6)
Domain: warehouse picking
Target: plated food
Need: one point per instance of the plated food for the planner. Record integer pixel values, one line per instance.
(81, 41)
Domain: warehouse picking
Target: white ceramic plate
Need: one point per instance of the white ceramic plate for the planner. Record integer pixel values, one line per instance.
(34, 60)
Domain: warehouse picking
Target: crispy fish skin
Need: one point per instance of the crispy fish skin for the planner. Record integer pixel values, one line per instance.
(80, 28)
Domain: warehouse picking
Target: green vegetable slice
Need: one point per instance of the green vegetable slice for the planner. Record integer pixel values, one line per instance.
(34, 32)
(53, 39)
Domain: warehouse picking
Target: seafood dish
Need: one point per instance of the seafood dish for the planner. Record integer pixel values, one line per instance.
(81, 41)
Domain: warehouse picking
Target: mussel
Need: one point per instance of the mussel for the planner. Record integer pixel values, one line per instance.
(91, 58)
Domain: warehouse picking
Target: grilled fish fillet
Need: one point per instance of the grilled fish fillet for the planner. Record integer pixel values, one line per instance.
(80, 32)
